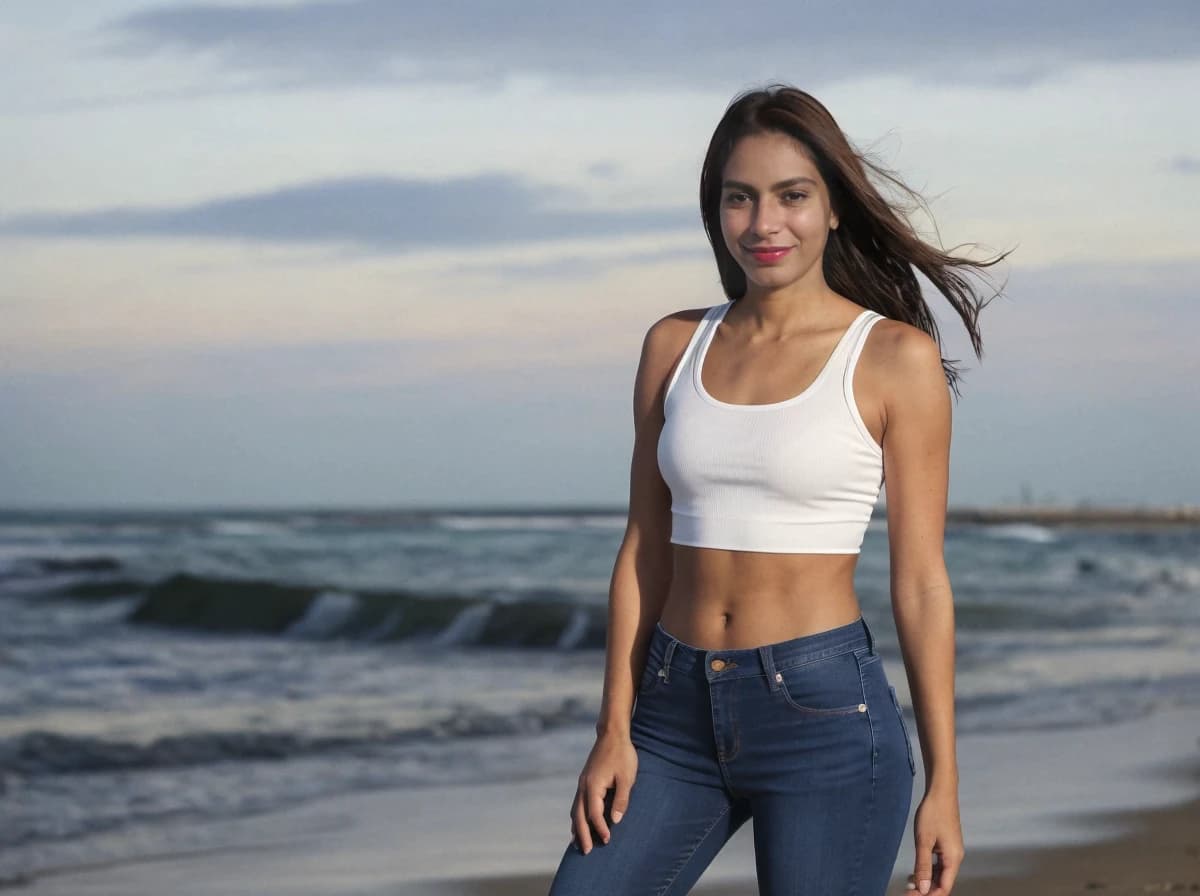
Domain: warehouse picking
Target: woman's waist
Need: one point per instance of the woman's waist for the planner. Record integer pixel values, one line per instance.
(669, 647)
(740, 617)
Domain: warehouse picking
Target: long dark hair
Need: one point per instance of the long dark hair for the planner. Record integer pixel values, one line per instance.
(872, 254)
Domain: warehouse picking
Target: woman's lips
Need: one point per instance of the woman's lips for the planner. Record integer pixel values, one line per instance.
(769, 256)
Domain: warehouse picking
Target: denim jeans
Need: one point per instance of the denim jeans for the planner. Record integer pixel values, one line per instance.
(805, 736)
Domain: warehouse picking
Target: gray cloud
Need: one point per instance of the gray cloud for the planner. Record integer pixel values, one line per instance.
(378, 213)
(1184, 165)
(604, 170)
(697, 45)
(582, 266)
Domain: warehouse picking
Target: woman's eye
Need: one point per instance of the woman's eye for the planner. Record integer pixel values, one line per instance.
(735, 197)
(795, 195)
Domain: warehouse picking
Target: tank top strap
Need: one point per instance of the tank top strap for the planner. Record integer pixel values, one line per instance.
(856, 340)
(856, 348)
(689, 352)
(841, 359)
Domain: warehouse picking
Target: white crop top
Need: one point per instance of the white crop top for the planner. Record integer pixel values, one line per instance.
(795, 476)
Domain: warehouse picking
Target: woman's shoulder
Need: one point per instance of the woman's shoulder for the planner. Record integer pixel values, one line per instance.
(897, 342)
(684, 318)
(670, 334)
(898, 353)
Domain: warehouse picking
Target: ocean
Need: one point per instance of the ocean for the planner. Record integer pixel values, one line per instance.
(166, 675)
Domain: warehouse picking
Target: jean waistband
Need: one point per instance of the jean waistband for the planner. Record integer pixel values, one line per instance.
(674, 655)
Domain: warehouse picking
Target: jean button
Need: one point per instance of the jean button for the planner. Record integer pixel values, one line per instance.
(717, 665)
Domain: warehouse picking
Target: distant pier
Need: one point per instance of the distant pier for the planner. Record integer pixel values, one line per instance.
(1179, 515)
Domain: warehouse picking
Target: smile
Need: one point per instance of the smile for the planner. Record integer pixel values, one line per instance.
(769, 256)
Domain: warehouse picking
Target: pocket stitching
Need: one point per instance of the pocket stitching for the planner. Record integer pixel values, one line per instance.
(654, 678)
(912, 763)
(812, 710)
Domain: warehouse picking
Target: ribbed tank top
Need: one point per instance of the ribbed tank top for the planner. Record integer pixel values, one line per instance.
(795, 476)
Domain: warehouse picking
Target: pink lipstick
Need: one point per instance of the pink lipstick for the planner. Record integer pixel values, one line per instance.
(770, 254)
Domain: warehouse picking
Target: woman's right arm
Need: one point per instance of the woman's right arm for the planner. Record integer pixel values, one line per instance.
(640, 580)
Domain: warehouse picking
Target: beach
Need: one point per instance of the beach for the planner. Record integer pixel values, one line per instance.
(1098, 808)
(1161, 854)
(201, 704)
(348, 704)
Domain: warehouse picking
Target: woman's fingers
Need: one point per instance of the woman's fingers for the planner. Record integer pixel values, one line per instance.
(582, 834)
(595, 800)
(923, 871)
(603, 792)
(620, 801)
(946, 872)
(587, 815)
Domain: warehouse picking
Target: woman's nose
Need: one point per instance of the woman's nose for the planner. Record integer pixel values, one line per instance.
(766, 219)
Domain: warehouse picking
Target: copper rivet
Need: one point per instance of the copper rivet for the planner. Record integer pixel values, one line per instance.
(862, 707)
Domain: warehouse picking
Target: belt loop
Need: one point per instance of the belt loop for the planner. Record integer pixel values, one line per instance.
(768, 664)
(870, 637)
(666, 669)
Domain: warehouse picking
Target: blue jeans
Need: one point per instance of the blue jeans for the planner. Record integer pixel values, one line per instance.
(805, 736)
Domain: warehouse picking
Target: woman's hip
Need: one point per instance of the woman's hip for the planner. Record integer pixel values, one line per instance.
(818, 708)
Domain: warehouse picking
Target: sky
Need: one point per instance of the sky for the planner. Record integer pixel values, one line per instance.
(358, 252)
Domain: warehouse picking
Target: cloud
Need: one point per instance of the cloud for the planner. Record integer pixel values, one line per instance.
(1184, 165)
(1087, 332)
(604, 170)
(577, 266)
(377, 213)
(700, 45)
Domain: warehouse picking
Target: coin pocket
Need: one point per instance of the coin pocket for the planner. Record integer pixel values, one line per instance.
(831, 686)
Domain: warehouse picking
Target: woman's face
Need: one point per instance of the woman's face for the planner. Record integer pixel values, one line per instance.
(772, 197)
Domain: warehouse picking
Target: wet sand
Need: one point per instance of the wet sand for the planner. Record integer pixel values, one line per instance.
(1109, 810)
(1160, 854)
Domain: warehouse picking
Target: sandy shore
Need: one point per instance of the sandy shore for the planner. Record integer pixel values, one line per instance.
(1161, 854)
(1112, 809)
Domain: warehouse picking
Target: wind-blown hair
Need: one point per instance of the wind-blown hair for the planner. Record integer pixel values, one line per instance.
(873, 255)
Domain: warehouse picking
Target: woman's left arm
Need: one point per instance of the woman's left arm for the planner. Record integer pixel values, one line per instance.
(916, 458)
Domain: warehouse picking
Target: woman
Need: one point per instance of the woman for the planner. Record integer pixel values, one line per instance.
(764, 427)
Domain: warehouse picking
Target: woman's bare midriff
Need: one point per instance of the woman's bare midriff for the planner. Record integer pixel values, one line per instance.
(729, 600)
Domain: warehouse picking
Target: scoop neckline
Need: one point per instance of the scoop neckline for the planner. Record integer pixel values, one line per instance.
(822, 375)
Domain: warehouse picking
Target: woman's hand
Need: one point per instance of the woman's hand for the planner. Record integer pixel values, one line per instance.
(937, 830)
(611, 764)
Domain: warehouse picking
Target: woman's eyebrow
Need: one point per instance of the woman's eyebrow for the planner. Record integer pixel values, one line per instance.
(792, 181)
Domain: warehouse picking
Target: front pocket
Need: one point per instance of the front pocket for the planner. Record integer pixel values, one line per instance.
(650, 677)
(912, 765)
(831, 686)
